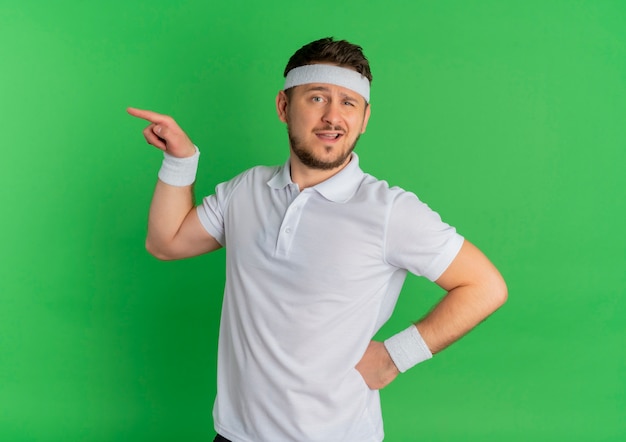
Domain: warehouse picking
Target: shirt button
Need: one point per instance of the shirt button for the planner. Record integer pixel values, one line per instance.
(288, 230)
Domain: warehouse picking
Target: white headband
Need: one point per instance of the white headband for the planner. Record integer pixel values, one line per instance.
(325, 73)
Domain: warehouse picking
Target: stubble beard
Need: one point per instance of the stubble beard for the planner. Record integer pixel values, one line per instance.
(307, 158)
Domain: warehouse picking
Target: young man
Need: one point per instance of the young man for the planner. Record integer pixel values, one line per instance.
(317, 252)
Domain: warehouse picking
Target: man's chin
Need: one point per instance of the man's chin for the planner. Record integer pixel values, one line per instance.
(315, 162)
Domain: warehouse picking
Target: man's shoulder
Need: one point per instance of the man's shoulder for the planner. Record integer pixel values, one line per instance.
(256, 174)
(372, 186)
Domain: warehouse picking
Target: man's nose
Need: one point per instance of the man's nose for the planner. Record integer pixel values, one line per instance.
(332, 113)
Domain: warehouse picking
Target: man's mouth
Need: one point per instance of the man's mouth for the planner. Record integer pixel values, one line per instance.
(329, 136)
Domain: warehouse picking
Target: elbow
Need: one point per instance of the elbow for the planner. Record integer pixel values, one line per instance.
(158, 252)
(500, 292)
(493, 291)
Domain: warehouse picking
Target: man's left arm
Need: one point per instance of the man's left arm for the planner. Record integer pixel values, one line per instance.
(475, 289)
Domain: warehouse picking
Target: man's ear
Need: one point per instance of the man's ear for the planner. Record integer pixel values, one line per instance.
(366, 117)
(281, 106)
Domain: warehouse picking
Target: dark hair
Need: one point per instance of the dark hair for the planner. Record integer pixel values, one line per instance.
(327, 50)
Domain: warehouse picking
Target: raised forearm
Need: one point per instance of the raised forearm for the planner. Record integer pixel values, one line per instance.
(174, 230)
(170, 206)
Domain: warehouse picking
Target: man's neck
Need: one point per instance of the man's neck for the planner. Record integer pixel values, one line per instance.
(305, 176)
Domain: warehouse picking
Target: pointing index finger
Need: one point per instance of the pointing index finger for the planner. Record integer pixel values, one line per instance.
(147, 115)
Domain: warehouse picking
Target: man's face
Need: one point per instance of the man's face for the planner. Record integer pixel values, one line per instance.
(324, 122)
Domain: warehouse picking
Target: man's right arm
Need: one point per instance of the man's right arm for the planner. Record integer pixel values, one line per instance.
(174, 229)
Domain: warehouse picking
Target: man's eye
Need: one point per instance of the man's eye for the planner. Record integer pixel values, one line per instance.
(317, 99)
(348, 103)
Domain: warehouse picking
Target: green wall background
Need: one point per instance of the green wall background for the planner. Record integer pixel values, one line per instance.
(507, 117)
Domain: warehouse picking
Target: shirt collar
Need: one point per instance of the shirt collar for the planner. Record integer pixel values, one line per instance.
(282, 178)
(338, 188)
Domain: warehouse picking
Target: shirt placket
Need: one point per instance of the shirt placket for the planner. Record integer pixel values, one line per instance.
(291, 221)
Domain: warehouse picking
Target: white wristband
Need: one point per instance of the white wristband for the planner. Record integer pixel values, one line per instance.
(179, 171)
(407, 349)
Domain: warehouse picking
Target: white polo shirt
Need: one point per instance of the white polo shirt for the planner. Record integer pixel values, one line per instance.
(311, 276)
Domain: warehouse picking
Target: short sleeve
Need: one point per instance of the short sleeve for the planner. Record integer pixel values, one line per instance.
(418, 240)
(211, 211)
